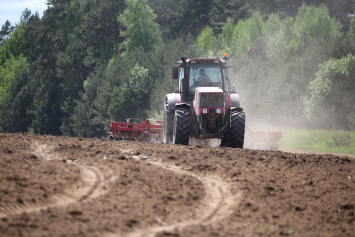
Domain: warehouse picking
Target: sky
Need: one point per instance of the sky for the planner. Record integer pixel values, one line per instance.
(11, 9)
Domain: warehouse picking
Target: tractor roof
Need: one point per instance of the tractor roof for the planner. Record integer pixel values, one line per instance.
(202, 61)
(209, 90)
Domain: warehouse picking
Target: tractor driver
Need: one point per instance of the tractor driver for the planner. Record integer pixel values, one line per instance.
(203, 77)
(203, 80)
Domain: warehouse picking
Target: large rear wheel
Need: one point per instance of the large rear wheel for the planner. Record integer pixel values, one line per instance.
(235, 138)
(168, 126)
(181, 129)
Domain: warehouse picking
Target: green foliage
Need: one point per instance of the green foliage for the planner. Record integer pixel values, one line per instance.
(272, 73)
(255, 26)
(131, 98)
(332, 92)
(86, 120)
(73, 19)
(227, 33)
(16, 108)
(30, 131)
(295, 35)
(222, 10)
(238, 38)
(6, 29)
(315, 23)
(340, 140)
(102, 30)
(184, 17)
(352, 29)
(351, 119)
(26, 15)
(73, 66)
(241, 40)
(141, 30)
(272, 25)
(189, 17)
(205, 40)
(15, 45)
(312, 139)
(51, 38)
(8, 73)
(48, 114)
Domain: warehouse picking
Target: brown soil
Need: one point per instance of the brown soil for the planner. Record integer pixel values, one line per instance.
(64, 186)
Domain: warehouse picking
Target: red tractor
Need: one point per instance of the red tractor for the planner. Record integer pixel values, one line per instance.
(204, 106)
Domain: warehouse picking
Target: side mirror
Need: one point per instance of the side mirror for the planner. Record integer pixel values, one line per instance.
(175, 73)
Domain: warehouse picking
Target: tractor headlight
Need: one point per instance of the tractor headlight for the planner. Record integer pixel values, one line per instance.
(219, 110)
(204, 111)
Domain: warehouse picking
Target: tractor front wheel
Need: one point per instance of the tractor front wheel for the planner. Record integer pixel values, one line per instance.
(235, 138)
(181, 130)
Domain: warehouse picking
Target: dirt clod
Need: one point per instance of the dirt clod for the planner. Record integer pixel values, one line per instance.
(7, 150)
(122, 158)
(75, 213)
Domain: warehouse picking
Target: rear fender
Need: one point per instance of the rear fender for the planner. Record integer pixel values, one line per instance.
(171, 100)
(232, 108)
(233, 104)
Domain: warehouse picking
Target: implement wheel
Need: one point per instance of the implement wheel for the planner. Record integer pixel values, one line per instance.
(168, 126)
(235, 138)
(181, 126)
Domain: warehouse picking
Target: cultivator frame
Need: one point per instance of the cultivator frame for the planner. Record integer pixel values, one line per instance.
(135, 129)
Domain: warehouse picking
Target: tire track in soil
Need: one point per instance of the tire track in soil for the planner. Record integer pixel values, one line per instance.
(216, 205)
(90, 185)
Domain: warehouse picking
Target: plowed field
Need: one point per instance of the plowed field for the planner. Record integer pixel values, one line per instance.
(64, 186)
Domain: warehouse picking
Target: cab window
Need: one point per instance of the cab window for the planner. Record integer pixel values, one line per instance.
(204, 75)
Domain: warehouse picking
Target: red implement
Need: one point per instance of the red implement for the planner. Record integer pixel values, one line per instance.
(135, 129)
(262, 140)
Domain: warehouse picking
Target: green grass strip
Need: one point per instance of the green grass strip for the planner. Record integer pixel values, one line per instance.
(314, 140)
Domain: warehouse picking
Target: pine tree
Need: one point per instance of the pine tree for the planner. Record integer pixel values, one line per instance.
(141, 30)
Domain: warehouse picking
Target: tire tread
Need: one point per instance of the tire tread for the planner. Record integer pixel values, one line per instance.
(182, 126)
(235, 138)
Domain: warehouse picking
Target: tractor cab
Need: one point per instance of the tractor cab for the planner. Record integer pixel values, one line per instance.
(203, 73)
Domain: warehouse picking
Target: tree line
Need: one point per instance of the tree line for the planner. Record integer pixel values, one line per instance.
(85, 63)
